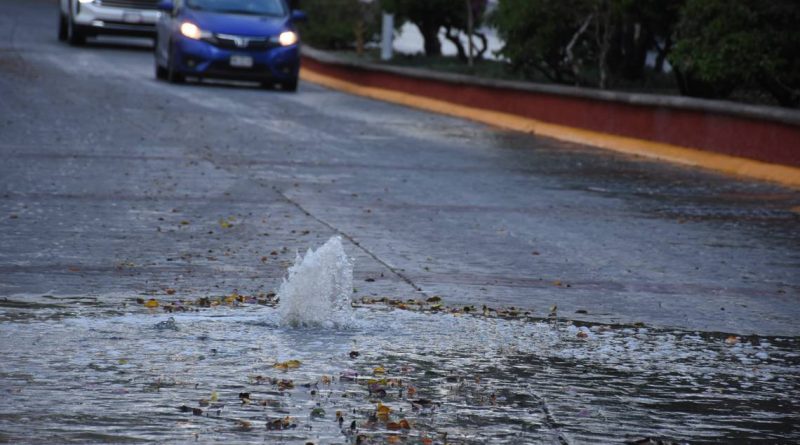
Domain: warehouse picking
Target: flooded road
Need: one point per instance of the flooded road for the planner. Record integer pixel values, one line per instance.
(78, 370)
(649, 301)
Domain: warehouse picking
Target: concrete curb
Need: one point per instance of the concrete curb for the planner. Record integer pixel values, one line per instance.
(751, 141)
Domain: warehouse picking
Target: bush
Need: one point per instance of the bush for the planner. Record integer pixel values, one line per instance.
(338, 24)
(726, 44)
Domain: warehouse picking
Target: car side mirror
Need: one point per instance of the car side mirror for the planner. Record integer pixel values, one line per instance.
(298, 16)
(166, 6)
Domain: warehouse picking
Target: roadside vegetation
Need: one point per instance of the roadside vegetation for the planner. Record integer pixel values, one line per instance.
(745, 50)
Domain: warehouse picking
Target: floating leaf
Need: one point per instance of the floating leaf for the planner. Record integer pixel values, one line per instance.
(393, 426)
(379, 370)
(404, 424)
(732, 340)
(214, 396)
(383, 411)
(317, 412)
(281, 424)
(151, 303)
(289, 364)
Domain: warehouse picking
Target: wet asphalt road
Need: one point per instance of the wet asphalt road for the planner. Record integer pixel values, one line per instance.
(113, 184)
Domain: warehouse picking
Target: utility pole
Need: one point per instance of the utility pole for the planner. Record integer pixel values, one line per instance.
(470, 26)
(387, 36)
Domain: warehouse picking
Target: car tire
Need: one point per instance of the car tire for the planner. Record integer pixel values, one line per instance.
(173, 75)
(161, 72)
(74, 35)
(62, 27)
(289, 85)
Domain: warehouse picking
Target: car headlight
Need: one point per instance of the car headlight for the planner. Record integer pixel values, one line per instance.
(287, 38)
(192, 31)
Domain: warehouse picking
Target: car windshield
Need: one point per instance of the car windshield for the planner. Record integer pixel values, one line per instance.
(254, 7)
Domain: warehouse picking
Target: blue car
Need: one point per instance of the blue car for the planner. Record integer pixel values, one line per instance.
(253, 40)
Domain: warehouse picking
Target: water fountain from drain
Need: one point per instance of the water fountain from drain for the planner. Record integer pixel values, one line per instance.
(317, 289)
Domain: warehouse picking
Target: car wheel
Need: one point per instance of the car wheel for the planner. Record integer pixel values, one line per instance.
(161, 72)
(173, 75)
(74, 35)
(62, 27)
(289, 85)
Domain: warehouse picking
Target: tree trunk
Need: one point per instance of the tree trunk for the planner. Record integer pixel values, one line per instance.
(454, 38)
(662, 55)
(575, 38)
(430, 32)
(484, 45)
(602, 34)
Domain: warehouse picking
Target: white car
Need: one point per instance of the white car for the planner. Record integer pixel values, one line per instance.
(79, 19)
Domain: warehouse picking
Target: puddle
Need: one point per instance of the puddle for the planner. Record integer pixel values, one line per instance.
(476, 380)
(316, 368)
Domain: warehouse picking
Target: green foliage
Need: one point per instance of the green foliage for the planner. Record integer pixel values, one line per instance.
(335, 24)
(537, 34)
(718, 47)
(724, 44)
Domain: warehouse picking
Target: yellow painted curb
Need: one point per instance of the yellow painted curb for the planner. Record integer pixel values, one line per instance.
(748, 168)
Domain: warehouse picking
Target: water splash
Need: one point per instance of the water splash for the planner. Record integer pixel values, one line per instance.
(317, 289)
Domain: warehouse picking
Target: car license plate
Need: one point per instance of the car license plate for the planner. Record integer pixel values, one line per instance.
(242, 61)
(131, 17)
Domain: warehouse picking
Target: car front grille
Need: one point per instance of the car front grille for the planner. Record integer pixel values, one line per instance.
(225, 41)
(131, 4)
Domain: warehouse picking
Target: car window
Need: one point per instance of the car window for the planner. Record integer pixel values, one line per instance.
(254, 7)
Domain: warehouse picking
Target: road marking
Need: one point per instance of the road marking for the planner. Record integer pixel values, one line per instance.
(732, 165)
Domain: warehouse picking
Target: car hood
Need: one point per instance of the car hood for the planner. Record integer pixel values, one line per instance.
(237, 24)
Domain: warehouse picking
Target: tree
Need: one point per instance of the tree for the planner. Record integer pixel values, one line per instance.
(642, 26)
(430, 16)
(586, 41)
(339, 24)
(546, 37)
(724, 45)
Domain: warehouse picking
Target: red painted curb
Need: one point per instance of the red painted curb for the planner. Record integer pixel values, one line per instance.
(733, 134)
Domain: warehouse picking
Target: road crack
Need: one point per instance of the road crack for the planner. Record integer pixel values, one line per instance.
(355, 242)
